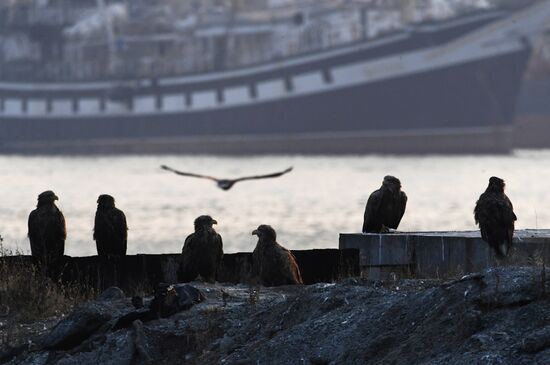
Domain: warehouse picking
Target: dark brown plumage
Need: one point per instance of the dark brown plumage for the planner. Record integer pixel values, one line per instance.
(226, 184)
(47, 231)
(385, 207)
(495, 215)
(202, 252)
(110, 228)
(271, 262)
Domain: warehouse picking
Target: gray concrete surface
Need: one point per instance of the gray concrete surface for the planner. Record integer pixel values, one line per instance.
(441, 254)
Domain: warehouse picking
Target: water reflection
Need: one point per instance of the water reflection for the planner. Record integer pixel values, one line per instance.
(309, 207)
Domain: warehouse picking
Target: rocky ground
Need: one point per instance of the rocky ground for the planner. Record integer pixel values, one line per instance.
(501, 316)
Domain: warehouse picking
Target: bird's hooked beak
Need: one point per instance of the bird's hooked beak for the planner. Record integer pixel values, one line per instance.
(214, 221)
(255, 232)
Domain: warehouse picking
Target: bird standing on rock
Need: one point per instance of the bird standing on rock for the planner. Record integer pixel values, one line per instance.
(274, 264)
(202, 251)
(495, 215)
(226, 184)
(385, 207)
(110, 228)
(47, 230)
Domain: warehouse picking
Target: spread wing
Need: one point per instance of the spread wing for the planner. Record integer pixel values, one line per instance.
(267, 176)
(189, 174)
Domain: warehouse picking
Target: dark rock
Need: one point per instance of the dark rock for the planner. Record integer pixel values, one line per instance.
(332, 303)
(94, 341)
(481, 342)
(542, 358)
(468, 322)
(318, 360)
(9, 352)
(77, 327)
(536, 341)
(243, 362)
(141, 354)
(111, 294)
(137, 302)
(500, 336)
(504, 288)
(86, 320)
(381, 344)
(118, 349)
(471, 323)
(227, 344)
(491, 359)
(190, 356)
(4, 310)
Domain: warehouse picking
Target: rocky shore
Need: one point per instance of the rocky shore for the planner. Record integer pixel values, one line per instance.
(499, 316)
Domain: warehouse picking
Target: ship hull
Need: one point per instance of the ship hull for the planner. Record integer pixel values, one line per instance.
(444, 141)
(443, 110)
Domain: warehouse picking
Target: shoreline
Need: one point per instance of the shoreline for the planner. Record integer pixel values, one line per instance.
(352, 322)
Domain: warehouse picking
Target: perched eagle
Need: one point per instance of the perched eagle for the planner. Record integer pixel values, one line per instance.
(271, 262)
(110, 228)
(202, 252)
(226, 184)
(495, 215)
(47, 231)
(385, 207)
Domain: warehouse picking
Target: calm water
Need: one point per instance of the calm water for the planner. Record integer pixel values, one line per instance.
(308, 207)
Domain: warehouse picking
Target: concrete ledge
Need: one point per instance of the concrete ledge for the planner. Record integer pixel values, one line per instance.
(441, 254)
(142, 272)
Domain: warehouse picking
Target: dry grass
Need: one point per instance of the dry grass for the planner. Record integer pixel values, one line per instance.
(27, 295)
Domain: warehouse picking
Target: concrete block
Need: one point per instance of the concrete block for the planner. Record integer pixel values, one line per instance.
(441, 254)
(379, 249)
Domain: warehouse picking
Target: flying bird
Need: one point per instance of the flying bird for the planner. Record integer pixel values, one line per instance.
(47, 232)
(110, 228)
(226, 184)
(385, 207)
(202, 251)
(495, 215)
(271, 262)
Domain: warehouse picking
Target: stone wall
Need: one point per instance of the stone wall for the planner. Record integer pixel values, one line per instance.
(136, 273)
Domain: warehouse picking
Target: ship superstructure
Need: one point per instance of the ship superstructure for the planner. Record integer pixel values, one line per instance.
(443, 84)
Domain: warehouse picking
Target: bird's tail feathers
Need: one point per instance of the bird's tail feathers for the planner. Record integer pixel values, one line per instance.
(503, 249)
